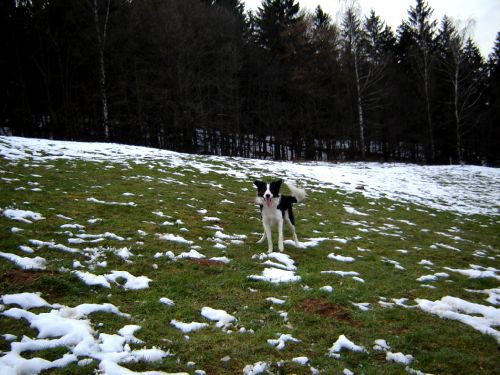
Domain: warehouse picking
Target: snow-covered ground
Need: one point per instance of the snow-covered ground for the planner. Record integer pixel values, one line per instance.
(462, 189)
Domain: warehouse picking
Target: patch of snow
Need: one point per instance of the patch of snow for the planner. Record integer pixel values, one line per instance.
(434, 277)
(340, 258)
(22, 215)
(343, 343)
(174, 238)
(256, 369)
(276, 301)
(223, 319)
(381, 345)
(188, 327)
(326, 288)
(476, 273)
(191, 254)
(26, 263)
(70, 328)
(94, 200)
(399, 358)
(211, 219)
(91, 279)
(353, 211)
(425, 262)
(167, 301)
(363, 306)
(465, 312)
(303, 361)
(280, 342)
(276, 276)
(25, 300)
(493, 294)
(132, 282)
(52, 245)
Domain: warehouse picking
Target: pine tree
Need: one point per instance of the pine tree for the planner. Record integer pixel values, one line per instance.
(492, 132)
(321, 19)
(421, 28)
(274, 17)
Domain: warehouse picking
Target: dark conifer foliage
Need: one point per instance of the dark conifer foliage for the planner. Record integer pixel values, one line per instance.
(204, 76)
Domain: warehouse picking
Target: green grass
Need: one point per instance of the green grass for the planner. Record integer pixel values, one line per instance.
(438, 346)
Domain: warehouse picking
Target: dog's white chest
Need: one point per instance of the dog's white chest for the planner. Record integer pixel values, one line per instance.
(271, 216)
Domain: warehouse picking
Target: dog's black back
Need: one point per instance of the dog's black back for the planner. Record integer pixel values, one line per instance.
(285, 205)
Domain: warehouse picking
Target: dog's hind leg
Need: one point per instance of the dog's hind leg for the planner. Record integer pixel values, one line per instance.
(290, 220)
(280, 236)
(295, 239)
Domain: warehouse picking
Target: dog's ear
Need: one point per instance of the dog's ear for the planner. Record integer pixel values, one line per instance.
(275, 187)
(277, 183)
(259, 184)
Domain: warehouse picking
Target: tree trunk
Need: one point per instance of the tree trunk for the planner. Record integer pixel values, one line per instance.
(360, 109)
(428, 108)
(457, 115)
(101, 39)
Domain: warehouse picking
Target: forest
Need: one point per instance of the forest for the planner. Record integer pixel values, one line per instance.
(209, 77)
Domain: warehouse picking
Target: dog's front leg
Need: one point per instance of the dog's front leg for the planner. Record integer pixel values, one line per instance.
(280, 236)
(267, 233)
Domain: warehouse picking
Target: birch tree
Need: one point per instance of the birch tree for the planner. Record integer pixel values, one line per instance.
(353, 34)
(101, 27)
(461, 69)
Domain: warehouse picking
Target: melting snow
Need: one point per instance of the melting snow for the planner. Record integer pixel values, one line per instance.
(174, 238)
(280, 342)
(131, 282)
(400, 182)
(476, 273)
(343, 343)
(282, 269)
(36, 263)
(25, 300)
(223, 319)
(68, 327)
(256, 368)
(274, 275)
(399, 358)
(22, 215)
(340, 258)
(167, 301)
(188, 327)
(457, 309)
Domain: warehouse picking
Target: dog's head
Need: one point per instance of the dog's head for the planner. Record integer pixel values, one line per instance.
(268, 192)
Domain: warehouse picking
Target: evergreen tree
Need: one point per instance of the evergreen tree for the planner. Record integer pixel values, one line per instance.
(421, 28)
(490, 129)
(204, 76)
(274, 17)
(321, 19)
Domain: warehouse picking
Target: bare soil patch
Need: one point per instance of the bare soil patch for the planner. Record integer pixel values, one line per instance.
(322, 307)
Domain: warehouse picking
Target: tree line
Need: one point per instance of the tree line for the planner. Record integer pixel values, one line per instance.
(206, 76)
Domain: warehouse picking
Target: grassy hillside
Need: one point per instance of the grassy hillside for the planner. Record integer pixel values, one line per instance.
(137, 201)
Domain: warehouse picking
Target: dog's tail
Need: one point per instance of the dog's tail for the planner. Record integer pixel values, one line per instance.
(299, 194)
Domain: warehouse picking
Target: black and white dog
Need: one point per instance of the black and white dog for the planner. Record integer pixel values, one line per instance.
(276, 208)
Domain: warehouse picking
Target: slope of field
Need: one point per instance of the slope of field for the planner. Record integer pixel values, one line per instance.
(127, 259)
